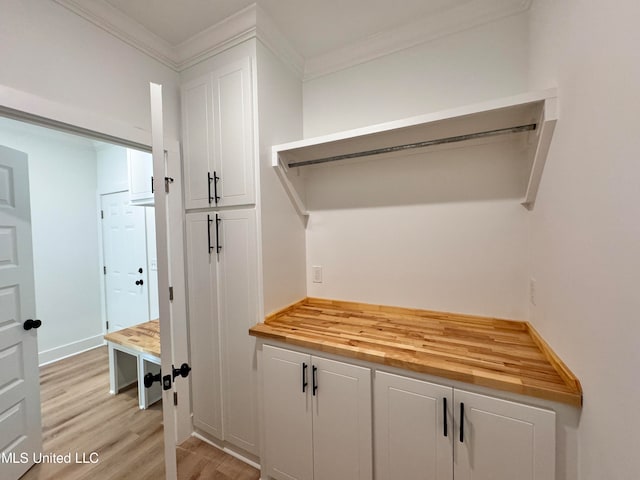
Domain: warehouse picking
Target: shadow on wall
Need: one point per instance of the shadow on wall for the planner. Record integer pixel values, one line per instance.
(482, 170)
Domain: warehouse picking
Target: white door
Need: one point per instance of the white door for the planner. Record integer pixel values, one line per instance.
(235, 238)
(341, 421)
(414, 429)
(204, 331)
(287, 414)
(20, 427)
(502, 440)
(125, 261)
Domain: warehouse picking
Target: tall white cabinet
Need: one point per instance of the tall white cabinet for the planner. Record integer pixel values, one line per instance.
(229, 189)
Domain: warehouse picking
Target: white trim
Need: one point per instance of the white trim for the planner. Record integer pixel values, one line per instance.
(254, 21)
(426, 29)
(227, 450)
(69, 350)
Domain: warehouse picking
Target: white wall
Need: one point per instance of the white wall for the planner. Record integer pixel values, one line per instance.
(50, 52)
(62, 182)
(444, 230)
(282, 230)
(585, 230)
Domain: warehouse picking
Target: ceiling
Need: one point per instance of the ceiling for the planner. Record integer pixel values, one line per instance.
(312, 27)
(319, 36)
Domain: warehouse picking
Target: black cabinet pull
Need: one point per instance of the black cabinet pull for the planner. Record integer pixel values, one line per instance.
(444, 415)
(140, 270)
(304, 377)
(218, 246)
(139, 282)
(152, 184)
(314, 379)
(215, 187)
(209, 233)
(461, 422)
(213, 180)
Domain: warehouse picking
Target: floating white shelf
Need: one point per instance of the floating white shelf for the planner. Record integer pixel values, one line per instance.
(535, 113)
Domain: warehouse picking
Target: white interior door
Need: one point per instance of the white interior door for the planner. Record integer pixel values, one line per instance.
(125, 260)
(20, 425)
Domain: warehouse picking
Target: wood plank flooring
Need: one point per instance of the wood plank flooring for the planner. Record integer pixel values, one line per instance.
(79, 416)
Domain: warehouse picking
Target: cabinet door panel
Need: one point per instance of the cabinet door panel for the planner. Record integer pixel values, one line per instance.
(238, 298)
(197, 136)
(203, 327)
(410, 439)
(503, 440)
(342, 443)
(287, 419)
(233, 127)
(140, 173)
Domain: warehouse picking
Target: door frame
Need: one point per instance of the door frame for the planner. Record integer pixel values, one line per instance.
(23, 106)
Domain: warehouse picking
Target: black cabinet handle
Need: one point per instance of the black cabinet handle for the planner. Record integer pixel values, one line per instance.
(213, 180)
(218, 246)
(304, 377)
(209, 180)
(140, 270)
(444, 415)
(209, 233)
(461, 422)
(152, 184)
(30, 323)
(314, 379)
(139, 282)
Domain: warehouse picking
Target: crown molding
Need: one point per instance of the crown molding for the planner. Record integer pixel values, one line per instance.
(253, 21)
(469, 15)
(113, 21)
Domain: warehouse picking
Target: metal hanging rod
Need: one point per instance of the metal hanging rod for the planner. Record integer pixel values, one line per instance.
(409, 146)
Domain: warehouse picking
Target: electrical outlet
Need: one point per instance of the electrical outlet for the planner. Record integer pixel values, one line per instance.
(532, 291)
(316, 271)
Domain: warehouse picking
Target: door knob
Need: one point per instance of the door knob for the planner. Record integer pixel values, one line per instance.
(29, 324)
(139, 282)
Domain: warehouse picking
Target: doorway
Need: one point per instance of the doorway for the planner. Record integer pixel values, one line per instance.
(70, 294)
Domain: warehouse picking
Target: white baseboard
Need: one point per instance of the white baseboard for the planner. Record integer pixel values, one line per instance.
(228, 450)
(54, 354)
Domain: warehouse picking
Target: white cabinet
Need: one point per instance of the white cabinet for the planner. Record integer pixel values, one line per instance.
(217, 121)
(140, 168)
(223, 299)
(414, 431)
(317, 417)
(432, 432)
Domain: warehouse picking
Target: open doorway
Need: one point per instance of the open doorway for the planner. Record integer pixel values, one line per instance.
(68, 178)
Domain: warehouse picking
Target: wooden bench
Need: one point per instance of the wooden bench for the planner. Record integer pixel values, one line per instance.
(134, 352)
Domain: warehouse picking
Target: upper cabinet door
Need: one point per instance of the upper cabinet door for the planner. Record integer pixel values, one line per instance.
(140, 177)
(197, 132)
(234, 156)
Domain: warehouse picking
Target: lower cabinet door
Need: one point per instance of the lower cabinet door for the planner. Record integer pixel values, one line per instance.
(413, 429)
(287, 414)
(502, 440)
(342, 435)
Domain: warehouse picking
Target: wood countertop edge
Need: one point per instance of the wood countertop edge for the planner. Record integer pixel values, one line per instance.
(264, 331)
(572, 397)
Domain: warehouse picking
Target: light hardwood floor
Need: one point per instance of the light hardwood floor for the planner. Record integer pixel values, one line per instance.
(79, 416)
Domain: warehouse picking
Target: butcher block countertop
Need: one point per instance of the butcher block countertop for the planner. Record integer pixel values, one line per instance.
(144, 337)
(500, 354)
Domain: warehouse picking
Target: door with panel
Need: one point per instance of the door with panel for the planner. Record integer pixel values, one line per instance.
(502, 440)
(287, 420)
(204, 331)
(217, 122)
(20, 420)
(125, 260)
(414, 428)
